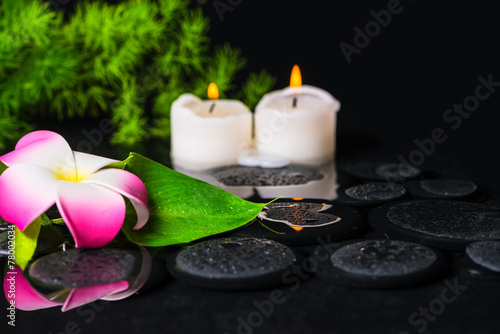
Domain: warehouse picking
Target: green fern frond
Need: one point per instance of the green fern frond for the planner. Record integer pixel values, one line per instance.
(255, 87)
(110, 58)
(128, 115)
(26, 22)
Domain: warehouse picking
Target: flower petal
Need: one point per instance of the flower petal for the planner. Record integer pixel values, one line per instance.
(93, 214)
(87, 164)
(88, 294)
(127, 184)
(26, 191)
(139, 281)
(44, 148)
(19, 291)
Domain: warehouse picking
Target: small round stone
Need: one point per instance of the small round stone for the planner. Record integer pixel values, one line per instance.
(447, 219)
(382, 171)
(395, 171)
(485, 253)
(84, 267)
(382, 258)
(376, 191)
(448, 187)
(234, 258)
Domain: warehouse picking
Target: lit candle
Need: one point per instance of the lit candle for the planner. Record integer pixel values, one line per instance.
(207, 134)
(298, 123)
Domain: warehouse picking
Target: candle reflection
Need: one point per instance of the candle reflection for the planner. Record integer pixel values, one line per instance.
(293, 181)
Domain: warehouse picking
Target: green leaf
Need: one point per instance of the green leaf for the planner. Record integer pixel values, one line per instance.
(45, 220)
(3, 167)
(183, 209)
(26, 242)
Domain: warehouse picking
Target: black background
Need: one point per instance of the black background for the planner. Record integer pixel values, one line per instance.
(393, 92)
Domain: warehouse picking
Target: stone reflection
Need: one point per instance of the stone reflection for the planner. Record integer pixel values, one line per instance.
(75, 277)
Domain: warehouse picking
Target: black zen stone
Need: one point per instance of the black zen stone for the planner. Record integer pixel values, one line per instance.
(371, 193)
(4, 244)
(441, 189)
(232, 263)
(257, 176)
(84, 267)
(304, 222)
(475, 268)
(381, 264)
(391, 172)
(485, 254)
(443, 224)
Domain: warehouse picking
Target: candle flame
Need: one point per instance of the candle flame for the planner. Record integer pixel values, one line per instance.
(213, 91)
(295, 77)
(297, 228)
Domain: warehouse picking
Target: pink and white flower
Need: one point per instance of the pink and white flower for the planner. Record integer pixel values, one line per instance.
(43, 170)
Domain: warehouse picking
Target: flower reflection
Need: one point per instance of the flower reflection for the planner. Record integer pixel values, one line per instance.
(26, 296)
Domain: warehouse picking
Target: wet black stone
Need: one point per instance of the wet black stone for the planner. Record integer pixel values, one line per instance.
(257, 176)
(299, 214)
(4, 244)
(441, 189)
(232, 263)
(84, 267)
(443, 224)
(316, 225)
(485, 254)
(465, 268)
(383, 171)
(381, 264)
(372, 193)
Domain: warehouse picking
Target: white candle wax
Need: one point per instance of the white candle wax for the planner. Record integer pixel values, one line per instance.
(201, 139)
(305, 134)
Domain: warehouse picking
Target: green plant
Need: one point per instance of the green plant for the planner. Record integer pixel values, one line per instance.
(129, 60)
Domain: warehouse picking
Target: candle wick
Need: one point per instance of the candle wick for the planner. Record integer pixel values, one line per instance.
(294, 103)
(212, 107)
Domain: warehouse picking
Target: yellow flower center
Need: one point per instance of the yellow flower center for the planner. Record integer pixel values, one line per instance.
(67, 175)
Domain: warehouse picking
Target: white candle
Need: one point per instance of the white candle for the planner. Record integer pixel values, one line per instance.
(298, 123)
(203, 139)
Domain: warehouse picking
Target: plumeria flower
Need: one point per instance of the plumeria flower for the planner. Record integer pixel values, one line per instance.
(43, 171)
